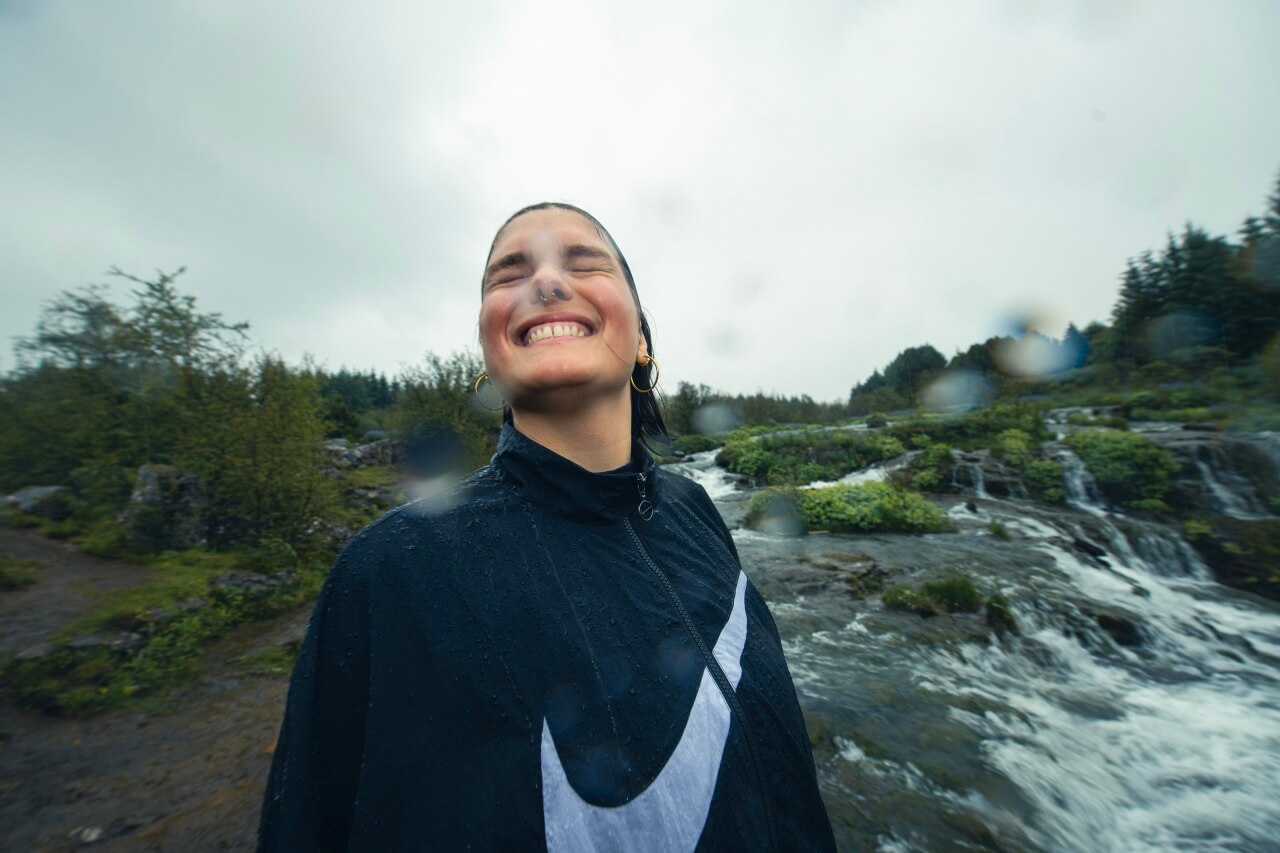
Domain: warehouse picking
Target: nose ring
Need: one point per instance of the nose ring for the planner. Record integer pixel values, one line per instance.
(556, 292)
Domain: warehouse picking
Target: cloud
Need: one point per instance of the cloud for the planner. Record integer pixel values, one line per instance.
(800, 195)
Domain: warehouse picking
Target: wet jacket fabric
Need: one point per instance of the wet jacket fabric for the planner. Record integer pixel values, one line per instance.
(548, 658)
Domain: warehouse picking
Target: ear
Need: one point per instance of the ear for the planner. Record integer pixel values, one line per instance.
(642, 351)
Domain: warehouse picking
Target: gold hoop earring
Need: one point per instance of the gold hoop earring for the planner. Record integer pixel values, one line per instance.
(656, 370)
(476, 388)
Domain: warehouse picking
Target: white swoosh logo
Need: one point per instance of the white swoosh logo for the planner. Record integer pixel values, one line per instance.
(669, 814)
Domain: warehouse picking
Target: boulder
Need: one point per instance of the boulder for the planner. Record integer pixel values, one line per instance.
(249, 583)
(167, 510)
(53, 502)
(381, 452)
(113, 641)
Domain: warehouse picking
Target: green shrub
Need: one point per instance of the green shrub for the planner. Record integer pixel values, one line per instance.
(1013, 446)
(1129, 468)
(931, 471)
(1044, 477)
(695, 443)
(856, 507)
(956, 594)
(999, 530)
(805, 457)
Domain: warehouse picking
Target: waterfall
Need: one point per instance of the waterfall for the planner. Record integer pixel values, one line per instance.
(1079, 484)
(1136, 709)
(1233, 497)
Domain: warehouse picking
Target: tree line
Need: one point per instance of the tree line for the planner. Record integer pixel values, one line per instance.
(1202, 301)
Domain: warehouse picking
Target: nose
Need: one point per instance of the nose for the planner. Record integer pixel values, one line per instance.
(548, 285)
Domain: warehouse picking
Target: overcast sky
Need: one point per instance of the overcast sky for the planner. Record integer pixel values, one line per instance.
(801, 194)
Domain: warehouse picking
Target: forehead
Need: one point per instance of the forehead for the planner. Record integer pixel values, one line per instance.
(548, 230)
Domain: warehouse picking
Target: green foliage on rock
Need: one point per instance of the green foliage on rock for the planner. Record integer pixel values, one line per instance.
(806, 457)
(1130, 469)
(953, 594)
(854, 508)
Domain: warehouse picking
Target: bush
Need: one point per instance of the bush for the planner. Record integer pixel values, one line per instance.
(854, 508)
(931, 471)
(1130, 469)
(956, 594)
(1044, 477)
(953, 594)
(1013, 446)
(805, 457)
(695, 443)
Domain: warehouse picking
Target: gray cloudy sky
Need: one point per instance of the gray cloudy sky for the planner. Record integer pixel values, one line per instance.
(801, 194)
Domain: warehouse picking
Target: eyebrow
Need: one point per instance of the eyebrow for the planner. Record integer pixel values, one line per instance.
(521, 259)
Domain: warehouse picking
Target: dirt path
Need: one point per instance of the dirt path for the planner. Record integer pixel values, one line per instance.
(188, 779)
(66, 587)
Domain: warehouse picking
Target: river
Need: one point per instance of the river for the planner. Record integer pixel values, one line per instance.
(1138, 708)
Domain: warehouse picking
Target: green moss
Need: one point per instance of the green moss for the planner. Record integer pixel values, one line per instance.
(909, 599)
(76, 682)
(999, 530)
(276, 661)
(1014, 447)
(1244, 554)
(955, 594)
(1000, 615)
(17, 574)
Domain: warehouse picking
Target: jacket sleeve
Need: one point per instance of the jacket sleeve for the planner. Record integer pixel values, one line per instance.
(310, 800)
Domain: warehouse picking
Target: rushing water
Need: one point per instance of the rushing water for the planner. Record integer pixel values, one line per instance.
(1138, 708)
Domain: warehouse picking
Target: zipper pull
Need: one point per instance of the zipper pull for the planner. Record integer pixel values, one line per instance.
(646, 506)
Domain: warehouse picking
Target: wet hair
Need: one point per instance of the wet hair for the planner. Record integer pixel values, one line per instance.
(647, 425)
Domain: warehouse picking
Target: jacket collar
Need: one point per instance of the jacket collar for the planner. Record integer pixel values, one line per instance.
(561, 486)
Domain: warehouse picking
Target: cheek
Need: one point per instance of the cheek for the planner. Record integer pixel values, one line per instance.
(493, 323)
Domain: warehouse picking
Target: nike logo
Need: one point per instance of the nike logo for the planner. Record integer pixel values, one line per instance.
(670, 813)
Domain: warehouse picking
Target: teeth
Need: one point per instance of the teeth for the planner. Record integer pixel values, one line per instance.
(555, 330)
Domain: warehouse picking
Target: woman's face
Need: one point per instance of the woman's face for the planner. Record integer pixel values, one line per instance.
(556, 314)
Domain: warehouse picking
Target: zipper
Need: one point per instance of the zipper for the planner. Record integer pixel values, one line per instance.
(713, 666)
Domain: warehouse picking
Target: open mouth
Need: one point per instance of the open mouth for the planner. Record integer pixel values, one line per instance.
(553, 330)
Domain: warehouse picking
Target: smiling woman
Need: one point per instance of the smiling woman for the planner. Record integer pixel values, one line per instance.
(565, 654)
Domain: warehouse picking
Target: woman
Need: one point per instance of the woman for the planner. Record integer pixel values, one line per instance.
(566, 653)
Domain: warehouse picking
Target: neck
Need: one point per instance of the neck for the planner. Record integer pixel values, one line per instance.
(596, 437)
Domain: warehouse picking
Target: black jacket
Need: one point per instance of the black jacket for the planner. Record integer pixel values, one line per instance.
(547, 658)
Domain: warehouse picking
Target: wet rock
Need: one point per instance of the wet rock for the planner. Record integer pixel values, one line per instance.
(167, 510)
(52, 502)
(35, 652)
(1122, 629)
(112, 641)
(1095, 552)
(382, 452)
(1221, 473)
(331, 534)
(249, 583)
(1244, 554)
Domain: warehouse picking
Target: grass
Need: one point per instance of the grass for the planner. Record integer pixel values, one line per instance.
(74, 682)
(17, 574)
